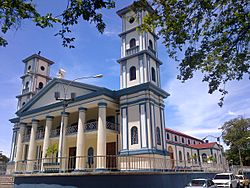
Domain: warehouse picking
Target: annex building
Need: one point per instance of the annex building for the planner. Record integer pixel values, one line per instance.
(65, 126)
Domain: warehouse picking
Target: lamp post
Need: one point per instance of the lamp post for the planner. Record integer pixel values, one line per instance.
(65, 102)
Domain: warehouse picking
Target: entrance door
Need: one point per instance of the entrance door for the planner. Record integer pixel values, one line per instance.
(111, 155)
(72, 159)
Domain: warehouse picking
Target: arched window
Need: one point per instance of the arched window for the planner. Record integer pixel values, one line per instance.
(195, 158)
(40, 85)
(215, 158)
(132, 43)
(132, 73)
(175, 138)
(204, 157)
(153, 73)
(27, 85)
(180, 156)
(188, 157)
(134, 135)
(168, 136)
(90, 157)
(158, 136)
(182, 140)
(151, 44)
(188, 141)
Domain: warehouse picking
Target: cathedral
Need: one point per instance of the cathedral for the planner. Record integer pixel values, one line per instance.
(90, 126)
(64, 126)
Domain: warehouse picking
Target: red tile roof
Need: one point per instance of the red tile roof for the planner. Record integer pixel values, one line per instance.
(203, 146)
(182, 134)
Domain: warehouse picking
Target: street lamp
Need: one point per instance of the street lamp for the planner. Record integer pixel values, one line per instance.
(65, 101)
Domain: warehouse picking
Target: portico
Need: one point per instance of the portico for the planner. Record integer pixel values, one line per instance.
(87, 126)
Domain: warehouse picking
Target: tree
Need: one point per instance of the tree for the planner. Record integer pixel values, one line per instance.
(212, 34)
(51, 151)
(236, 134)
(12, 12)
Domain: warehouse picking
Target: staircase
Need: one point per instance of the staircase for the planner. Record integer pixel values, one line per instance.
(6, 181)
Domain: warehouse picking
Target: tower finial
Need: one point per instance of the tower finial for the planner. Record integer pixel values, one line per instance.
(39, 52)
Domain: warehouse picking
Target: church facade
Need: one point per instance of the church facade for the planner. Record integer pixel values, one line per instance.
(90, 126)
(64, 125)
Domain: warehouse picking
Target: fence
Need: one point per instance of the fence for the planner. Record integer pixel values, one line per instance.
(110, 163)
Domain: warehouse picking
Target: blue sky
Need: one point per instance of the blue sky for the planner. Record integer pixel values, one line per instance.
(188, 109)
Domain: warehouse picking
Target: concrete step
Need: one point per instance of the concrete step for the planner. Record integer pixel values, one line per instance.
(6, 181)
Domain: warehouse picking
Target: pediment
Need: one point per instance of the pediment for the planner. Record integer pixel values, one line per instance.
(46, 96)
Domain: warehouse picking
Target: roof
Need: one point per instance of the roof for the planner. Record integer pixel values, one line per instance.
(38, 57)
(96, 90)
(182, 134)
(129, 8)
(203, 146)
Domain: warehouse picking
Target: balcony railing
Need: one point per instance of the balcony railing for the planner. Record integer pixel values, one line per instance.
(112, 126)
(26, 90)
(152, 50)
(26, 138)
(92, 126)
(39, 135)
(54, 133)
(72, 130)
(132, 50)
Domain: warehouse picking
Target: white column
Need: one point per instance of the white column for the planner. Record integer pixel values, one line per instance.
(62, 145)
(46, 140)
(101, 137)
(80, 142)
(32, 146)
(19, 151)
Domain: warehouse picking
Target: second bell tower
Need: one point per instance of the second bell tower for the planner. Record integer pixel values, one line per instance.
(139, 59)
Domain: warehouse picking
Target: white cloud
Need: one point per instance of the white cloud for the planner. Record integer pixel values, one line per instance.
(190, 109)
(110, 33)
(231, 113)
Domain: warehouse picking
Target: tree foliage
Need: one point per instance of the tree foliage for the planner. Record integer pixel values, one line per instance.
(52, 150)
(236, 134)
(12, 12)
(212, 34)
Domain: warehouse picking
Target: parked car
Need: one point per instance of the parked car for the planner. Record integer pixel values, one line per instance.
(226, 180)
(244, 181)
(201, 183)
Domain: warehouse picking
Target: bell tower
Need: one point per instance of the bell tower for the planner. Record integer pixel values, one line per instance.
(35, 77)
(141, 98)
(139, 59)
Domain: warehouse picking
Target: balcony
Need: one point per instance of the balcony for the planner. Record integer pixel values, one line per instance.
(72, 130)
(39, 135)
(26, 138)
(54, 133)
(92, 126)
(150, 49)
(132, 50)
(26, 90)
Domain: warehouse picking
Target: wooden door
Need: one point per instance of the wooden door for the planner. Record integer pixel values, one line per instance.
(111, 155)
(72, 159)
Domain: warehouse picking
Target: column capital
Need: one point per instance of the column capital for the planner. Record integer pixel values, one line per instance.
(49, 117)
(102, 104)
(65, 113)
(34, 120)
(81, 109)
